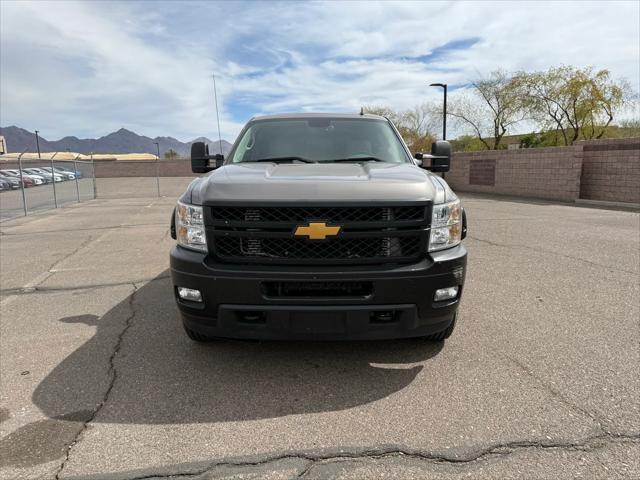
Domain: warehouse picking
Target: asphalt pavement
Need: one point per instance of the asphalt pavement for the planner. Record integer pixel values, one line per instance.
(539, 380)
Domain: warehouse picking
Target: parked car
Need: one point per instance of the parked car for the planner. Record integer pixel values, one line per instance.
(4, 185)
(35, 179)
(27, 181)
(76, 172)
(25, 171)
(34, 175)
(65, 174)
(13, 181)
(48, 176)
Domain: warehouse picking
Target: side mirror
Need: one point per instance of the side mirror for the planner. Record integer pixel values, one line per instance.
(440, 158)
(200, 158)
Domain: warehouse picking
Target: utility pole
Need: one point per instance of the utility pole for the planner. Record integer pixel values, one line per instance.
(38, 143)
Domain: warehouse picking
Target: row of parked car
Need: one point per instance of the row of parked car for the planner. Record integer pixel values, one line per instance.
(34, 176)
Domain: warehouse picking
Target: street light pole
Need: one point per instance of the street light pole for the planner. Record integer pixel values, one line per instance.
(38, 143)
(444, 108)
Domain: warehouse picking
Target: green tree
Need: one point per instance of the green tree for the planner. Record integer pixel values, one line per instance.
(467, 143)
(490, 108)
(576, 102)
(630, 123)
(415, 125)
(171, 154)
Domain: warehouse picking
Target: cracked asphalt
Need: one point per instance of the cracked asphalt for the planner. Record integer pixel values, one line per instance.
(539, 380)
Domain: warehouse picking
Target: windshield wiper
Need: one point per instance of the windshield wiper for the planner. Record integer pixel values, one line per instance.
(358, 159)
(284, 159)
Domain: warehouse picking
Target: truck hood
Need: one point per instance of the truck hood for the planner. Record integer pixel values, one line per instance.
(349, 182)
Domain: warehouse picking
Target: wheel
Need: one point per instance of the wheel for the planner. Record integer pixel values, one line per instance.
(444, 334)
(195, 336)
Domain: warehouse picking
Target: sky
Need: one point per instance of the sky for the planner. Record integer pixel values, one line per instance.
(90, 68)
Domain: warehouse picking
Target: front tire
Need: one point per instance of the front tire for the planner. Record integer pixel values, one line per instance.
(444, 334)
(196, 336)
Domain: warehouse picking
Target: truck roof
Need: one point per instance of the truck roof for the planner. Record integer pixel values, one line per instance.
(283, 116)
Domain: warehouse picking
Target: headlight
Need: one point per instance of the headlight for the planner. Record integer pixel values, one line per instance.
(190, 227)
(446, 226)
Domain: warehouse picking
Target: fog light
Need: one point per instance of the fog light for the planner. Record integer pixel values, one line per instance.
(189, 294)
(445, 294)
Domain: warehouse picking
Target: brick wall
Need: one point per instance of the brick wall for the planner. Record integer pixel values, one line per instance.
(611, 170)
(596, 170)
(142, 168)
(548, 173)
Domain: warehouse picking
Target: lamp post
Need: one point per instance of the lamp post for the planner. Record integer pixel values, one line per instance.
(444, 108)
(38, 143)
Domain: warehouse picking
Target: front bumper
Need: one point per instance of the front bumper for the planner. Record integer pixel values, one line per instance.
(399, 304)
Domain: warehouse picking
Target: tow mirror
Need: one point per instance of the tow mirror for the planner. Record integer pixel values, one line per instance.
(200, 158)
(439, 159)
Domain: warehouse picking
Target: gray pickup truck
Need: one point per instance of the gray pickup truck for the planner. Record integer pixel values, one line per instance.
(321, 227)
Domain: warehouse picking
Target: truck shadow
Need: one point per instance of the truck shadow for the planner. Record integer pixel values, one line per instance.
(162, 377)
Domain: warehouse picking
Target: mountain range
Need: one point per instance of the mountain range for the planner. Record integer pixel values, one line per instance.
(123, 141)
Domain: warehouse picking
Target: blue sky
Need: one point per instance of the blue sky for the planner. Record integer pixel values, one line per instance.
(89, 68)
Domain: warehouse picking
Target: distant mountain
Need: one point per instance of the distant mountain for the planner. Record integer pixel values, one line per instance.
(122, 141)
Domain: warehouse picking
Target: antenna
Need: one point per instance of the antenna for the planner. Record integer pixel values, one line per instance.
(215, 96)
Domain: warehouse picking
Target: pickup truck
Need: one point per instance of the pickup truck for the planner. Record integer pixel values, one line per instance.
(319, 227)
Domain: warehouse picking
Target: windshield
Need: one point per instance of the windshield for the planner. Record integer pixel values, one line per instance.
(320, 140)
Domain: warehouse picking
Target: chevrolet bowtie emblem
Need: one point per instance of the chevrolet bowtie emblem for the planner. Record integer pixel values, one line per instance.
(316, 231)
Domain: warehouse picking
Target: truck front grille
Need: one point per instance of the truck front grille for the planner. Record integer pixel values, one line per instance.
(329, 214)
(368, 234)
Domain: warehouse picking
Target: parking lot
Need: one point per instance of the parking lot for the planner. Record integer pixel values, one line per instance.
(539, 380)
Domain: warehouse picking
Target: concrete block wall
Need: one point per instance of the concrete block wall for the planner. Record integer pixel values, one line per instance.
(143, 168)
(547, 173)
(607, 170)
(611, 170)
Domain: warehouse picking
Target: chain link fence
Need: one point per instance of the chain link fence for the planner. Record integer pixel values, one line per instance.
(142, 178)
(28, 185)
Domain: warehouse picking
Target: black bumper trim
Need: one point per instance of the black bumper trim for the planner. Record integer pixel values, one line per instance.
(405, 290)
(316, 322)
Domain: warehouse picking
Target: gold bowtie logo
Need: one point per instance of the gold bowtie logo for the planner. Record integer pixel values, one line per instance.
(316, 231)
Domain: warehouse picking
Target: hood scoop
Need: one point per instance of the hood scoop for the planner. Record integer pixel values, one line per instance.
(318, 171)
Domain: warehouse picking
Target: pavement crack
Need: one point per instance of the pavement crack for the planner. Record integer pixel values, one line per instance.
(112, 373)
(388, 451)
(89, 229)
(31, 290)
(551, 252)
(557, 394)
(82, 245)
(40, 279)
